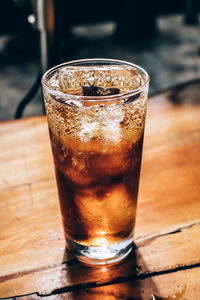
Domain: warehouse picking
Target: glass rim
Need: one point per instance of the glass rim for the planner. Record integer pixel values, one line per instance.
(94, 98)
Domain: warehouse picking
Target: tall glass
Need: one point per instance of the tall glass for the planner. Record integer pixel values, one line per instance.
(96, 115)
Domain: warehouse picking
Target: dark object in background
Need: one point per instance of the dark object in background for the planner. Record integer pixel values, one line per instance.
(22, 40)
(28, 97)
(191, 12)
(134, 19)
(13, 17)
(54, 18)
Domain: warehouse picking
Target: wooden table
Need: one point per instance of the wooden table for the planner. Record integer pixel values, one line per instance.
(166, 261)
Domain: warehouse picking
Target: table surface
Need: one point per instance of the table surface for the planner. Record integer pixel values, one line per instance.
(166, 261)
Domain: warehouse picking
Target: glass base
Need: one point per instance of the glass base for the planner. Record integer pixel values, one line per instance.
(109, 254)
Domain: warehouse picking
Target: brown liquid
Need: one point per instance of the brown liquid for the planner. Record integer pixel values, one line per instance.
(176, 296)
(98, 193)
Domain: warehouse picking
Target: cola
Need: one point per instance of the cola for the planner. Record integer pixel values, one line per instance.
(97, 158)
(96, 136)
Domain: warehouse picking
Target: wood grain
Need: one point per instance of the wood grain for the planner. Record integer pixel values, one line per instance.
(169, 188)
(25, 155)
(32, 249)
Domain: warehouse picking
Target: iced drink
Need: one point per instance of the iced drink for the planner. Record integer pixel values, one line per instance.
(96, 116)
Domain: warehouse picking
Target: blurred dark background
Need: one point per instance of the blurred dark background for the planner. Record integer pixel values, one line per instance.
(161, 36)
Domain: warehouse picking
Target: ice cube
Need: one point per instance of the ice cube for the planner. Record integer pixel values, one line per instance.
(53, 82)
(92, 90)
(69, 78)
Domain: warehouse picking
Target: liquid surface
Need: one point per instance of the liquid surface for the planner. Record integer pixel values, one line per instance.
(70, 79)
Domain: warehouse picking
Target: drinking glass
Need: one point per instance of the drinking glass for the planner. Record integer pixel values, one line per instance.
(96, 116)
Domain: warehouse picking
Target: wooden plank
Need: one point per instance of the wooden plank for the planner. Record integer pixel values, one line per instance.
(175, 205)
(165, 253)
(25, 155)
(31, 228)
(170, 170)
(182, 285)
